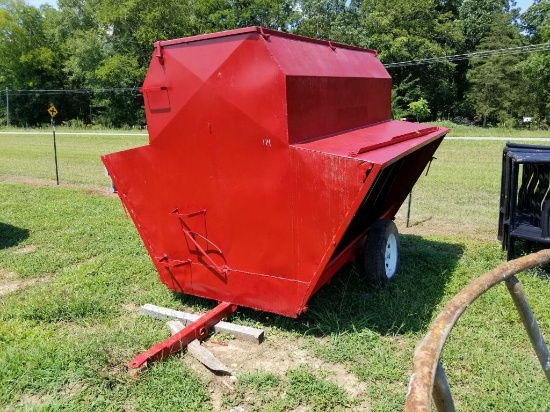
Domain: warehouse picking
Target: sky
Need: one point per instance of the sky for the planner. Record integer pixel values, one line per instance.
(523, 4)
(37, 3)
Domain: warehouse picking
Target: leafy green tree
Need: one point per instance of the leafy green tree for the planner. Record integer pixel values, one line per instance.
(127, 30)
(96, 44)
(403, 94)
(536, 21)
(496, 81)
(536, 72)
(536, 67)
(215, 15)
(449, 6)
(28, 59)
(110, 46)
(318, 16)
(478, 16)
(402, 30)
(420, 109)
(274, 14)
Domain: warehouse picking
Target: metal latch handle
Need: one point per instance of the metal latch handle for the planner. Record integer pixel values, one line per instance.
(153, 89)
(222, 270)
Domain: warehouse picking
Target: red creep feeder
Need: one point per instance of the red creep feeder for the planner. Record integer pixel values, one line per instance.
(271, 156)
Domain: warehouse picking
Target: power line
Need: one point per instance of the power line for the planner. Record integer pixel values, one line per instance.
(69, 91)
(541, 47)
(474, 55)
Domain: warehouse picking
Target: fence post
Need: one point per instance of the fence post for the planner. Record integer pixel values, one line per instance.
(7, 107)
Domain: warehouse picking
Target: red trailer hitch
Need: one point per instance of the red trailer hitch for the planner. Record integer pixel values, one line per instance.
(196, 330)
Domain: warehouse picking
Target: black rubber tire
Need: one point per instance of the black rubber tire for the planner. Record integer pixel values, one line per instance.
(382, 238)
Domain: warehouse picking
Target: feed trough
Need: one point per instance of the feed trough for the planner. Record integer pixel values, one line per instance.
(524, 198)
(270, 158)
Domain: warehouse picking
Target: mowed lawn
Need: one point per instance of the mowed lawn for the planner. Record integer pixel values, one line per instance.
(29, 157)
(73, 273)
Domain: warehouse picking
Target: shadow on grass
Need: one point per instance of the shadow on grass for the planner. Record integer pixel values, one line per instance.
(11, 235)
(347, 304)
(405, 305)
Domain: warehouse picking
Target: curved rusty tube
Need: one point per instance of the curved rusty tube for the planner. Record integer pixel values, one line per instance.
(427, 353)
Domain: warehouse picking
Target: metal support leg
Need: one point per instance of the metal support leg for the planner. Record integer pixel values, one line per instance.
(195, 330)
(530, 323)
(441, 393)
(409, 207)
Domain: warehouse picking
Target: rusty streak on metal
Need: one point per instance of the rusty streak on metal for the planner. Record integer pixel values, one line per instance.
(429, 350)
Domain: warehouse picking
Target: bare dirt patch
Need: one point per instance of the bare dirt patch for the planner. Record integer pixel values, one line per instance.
(132, 309)
(6, 275)
(275, 355)
(25, 249)
(12, 286)
(34, 400)
(73, 388)
(89, 189)
(438, 227)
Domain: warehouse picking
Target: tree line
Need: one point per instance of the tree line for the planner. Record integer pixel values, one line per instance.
(96, 48)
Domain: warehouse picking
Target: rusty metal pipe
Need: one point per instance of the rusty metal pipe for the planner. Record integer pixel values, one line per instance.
(443, 398)
(530, 323)
(429, 350)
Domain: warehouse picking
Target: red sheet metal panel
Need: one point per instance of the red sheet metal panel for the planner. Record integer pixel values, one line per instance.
(248, 188)
(300, 56)
(320, 106)
(386, 135)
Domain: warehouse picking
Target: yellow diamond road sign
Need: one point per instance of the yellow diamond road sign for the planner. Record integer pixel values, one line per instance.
(52, 111)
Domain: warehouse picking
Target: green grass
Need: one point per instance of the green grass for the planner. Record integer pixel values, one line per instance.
(65, 341)
(74, 330)
(27, 157)
(263, 391)
(462, 189)
(473, 131)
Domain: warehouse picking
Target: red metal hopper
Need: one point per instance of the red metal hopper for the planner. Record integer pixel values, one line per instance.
(270, 156)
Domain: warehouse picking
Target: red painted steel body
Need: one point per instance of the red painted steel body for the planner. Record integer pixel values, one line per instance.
(269, 157)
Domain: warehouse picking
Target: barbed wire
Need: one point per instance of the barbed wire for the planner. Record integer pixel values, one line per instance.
(480, 54)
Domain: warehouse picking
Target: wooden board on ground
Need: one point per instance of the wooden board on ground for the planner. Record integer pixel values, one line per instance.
(241, 332)
(200, 353)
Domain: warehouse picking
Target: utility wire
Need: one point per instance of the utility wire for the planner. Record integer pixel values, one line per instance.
(69, 91)
(474, 55)
(456, 57)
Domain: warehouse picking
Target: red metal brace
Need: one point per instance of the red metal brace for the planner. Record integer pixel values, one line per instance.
(195, 330)
(191, 236)
(396, 139)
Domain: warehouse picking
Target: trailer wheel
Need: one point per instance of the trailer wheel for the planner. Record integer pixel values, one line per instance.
(381, 258)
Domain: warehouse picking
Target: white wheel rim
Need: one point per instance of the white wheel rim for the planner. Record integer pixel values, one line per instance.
(390, 256)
